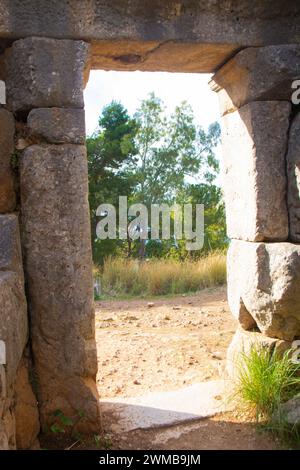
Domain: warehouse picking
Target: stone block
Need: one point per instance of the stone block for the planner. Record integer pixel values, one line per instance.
(58, 125)
(265, 279)
(293, 175)
(58, 264)
(44, 73)
(258, 74)
(13, 320)
(254, 171)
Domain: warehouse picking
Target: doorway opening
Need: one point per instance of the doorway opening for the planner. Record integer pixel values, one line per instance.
(162, 321)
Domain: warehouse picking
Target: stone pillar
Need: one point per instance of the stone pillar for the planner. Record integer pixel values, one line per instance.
(45, 91)
(261, 188)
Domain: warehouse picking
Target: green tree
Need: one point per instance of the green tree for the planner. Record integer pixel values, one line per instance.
(154, 158)
(109, 149)
(170, 149)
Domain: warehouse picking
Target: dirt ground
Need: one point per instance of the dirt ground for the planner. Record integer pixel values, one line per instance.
(162, 344)
(166, 344)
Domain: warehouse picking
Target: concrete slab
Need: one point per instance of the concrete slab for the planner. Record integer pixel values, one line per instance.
(159, 409)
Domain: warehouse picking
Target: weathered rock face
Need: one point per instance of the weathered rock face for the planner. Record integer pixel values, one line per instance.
(254, 146)
(242, 343)
(58, 266)
(44, 72)
(293, 173)
(58, 125)
(265, 277)
(7, 193)
(10, 246)
(26, 410)
(223, 26)
(13, 323)
(13, 310)
(266, 73)
(289, 412)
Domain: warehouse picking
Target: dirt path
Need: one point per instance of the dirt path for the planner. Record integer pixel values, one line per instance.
(167, 344)
(162, 344)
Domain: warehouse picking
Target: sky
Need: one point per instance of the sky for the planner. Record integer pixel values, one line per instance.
(132, 87)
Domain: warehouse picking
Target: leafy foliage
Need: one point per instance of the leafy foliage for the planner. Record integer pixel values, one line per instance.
(154, 158)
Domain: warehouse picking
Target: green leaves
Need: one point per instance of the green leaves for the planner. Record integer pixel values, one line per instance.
(61, 423)
(152, 158)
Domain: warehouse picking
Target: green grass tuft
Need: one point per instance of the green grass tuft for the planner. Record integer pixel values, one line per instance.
(266, 379)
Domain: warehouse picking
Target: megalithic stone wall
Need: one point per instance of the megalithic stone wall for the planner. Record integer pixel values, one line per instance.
(260, 134)
(14, 430)
(45, 80)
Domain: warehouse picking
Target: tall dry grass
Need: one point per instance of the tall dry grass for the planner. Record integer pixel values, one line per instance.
(121, 276)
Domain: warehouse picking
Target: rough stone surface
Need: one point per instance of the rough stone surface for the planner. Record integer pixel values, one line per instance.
(58, 266)
(26, 410)
(221, 24)
(243, 341)
(293, 173)
(151, 56)
(13, 325)
(44, 72)
(234, 294)
(10, 246)
(289, 412)
(8, 426)
(265, 73)
(13, 308)
(7, 193)
(265, 277)
(3, 441)
(58, 125)
(254, 146)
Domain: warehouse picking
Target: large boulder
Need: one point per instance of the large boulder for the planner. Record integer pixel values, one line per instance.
(258, 74)
(7, 193)
(264, 279)
(58, 265)
(44, 73)
(254, 171)
(293, 174)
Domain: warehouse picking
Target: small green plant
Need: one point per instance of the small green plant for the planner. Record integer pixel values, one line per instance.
(15, 160)
(265, 380)
(65, 424)
(103, 441)
(61, 423)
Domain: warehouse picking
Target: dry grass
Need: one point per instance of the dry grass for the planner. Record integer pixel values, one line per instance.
(161, 277)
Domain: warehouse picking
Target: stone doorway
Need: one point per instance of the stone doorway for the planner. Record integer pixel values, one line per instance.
(47, 202)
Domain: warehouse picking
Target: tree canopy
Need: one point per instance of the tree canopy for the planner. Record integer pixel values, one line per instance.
(158, 158)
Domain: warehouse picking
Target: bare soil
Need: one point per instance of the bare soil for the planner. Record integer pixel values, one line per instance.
(164, 344)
